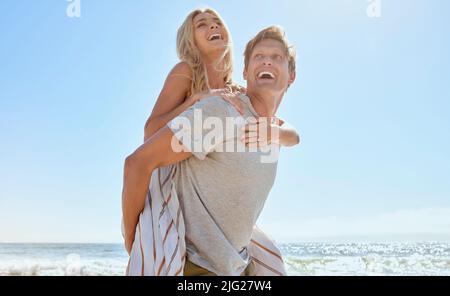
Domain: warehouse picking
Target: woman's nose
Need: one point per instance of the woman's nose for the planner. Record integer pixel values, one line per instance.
(213, 26)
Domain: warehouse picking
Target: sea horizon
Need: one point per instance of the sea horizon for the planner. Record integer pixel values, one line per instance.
(301, 258)
(391, 238)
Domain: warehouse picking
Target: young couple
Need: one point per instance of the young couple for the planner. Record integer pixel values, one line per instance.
(193, 212)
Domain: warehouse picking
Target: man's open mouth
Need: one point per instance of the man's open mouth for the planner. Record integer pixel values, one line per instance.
(215, 37)
(266, 75)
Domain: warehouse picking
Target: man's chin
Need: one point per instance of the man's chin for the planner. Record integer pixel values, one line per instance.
(268, 86)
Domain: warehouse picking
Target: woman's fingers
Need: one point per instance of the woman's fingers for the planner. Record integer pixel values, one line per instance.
(201, 95)
(251, 127)
(254, 141)
(237, 103)
(251, 144)
(249, 138)
(256, 133)
(242, 89)
(228, 95)
(256, 144)
(239, 108)
(253, 138)
(265, 120)
(251, 134)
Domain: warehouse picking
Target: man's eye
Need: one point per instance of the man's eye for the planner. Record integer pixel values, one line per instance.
(258, 56)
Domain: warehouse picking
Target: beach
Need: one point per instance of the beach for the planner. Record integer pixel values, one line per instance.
(313, 259)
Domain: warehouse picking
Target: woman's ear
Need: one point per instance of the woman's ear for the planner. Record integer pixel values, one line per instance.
(245, 74)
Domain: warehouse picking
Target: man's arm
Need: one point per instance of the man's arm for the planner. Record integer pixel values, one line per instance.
(155, 152)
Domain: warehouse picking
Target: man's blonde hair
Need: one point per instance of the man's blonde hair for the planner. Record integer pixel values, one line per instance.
(188, 52)
(275, 33)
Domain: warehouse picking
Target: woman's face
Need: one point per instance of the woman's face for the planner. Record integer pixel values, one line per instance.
(209, 34)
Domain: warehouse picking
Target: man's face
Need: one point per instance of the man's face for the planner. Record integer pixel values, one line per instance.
(268, 68)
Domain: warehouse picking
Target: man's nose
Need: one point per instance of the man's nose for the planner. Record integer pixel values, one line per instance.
(267, 61)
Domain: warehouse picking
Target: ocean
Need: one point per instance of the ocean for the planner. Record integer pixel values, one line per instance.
(392, 259)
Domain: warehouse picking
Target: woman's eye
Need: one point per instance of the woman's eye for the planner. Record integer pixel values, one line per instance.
(200, 25)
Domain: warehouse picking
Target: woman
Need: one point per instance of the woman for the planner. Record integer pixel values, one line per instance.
(204, 49)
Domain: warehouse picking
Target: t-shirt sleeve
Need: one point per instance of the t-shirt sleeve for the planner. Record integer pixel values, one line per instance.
(201, 127)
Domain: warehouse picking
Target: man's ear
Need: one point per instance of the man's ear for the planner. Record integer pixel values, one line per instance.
(292, 77)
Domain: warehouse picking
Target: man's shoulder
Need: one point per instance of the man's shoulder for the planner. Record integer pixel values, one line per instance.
(213, 100)
(214, 105)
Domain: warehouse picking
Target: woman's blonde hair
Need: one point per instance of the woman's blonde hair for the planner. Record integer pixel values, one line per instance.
(188, 52)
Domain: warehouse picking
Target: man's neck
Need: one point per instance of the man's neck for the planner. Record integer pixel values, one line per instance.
(265, 105)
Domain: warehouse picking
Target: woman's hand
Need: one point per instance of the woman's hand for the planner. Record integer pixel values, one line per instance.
(229, 95)
(261, 132)
(264, 131)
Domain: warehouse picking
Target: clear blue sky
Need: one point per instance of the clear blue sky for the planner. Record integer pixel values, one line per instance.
(371, 101)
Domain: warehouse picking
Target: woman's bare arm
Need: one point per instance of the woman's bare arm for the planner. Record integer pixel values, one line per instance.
(288, 135)
(156, 152)
(172, 100)
(263, 131)
(175, 98)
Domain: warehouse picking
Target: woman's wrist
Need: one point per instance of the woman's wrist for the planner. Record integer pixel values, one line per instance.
(191, 100)
(129, 240)
(276, 133)
(194, 98)
(129, 234)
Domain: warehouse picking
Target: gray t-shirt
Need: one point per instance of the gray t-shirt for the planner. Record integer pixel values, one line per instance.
(221, 193)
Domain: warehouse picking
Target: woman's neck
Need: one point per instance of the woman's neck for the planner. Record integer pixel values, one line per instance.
(215, 76)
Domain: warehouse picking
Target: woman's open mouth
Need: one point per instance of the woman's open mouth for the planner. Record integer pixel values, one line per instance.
(214, 37)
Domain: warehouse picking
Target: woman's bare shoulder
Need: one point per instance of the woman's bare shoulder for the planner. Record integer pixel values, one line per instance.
(182, 69)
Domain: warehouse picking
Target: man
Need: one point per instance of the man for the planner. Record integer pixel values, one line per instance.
(221, 193)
